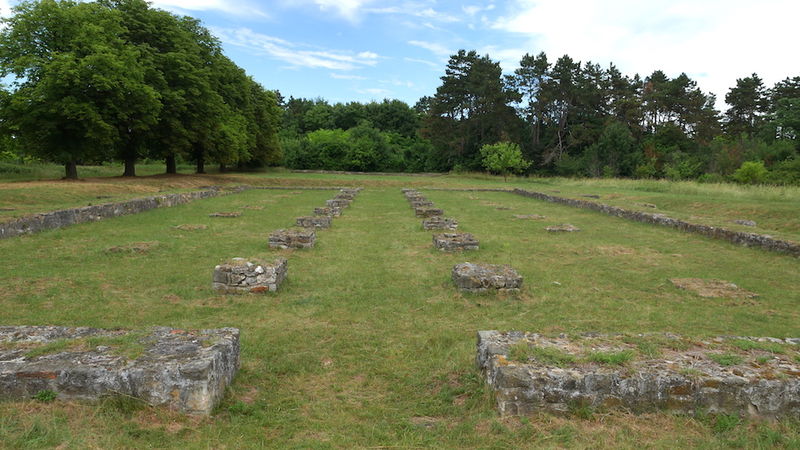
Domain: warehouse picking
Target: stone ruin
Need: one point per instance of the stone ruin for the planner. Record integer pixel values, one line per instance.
(478, 277)
(328, 211)
(292, 238)
(226, 215)
(450, 242)
(440, 223)
(338, 203)
(184, 370)
(563, 228)
(529, 372)
(242, 276)
(314, 221)
(427, 211)
(345, 196)
(416, 203)
(529, 216)
(239, 276)
(745, 222)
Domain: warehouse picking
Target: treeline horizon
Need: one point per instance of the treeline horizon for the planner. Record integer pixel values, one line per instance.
(118, 80)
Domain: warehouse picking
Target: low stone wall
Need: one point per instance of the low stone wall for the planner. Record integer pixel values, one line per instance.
(736, 237)
(66, 217)
(530, 372)
(242, 276)
(321, 221)
(181, 369)
(292, 238)
(451, 242)
(440, 223)
(479, 277)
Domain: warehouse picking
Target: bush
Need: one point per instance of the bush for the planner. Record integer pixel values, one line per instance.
(751, 172)
(711, 178)
(786, 172)
(503, 158)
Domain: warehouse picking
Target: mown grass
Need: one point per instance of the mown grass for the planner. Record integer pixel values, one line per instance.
(368, 344)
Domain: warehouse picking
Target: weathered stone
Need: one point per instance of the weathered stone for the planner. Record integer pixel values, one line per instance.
(350, 196)
(314, 221)
(420, 203)
(242, 276)
(747, 223)
(564, 227)
(181, 369)
(338, 203)
(427, 211)
(449, 242)
(531, 373)
(225, 214)
(478, 277)
(293, 238)
(328, 211)
(440, 223)
(712, 288)
(529, 216)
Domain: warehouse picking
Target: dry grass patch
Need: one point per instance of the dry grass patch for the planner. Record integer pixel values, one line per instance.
(712, 288)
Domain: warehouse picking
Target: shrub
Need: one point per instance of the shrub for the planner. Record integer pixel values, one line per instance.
(751, 172)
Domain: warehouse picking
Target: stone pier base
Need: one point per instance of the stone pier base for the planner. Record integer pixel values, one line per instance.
(184, 370)
(293, 238)
(477, 277)
(426, 211)
(451, 242)
(338, 203)
(529, 373)
(440, 223)
(314, 221)
(328, 211)
(242, 276)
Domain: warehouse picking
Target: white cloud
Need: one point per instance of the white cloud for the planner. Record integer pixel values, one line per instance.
(433, 47)
(349, 9)
(233, 7)
(339, 76)
(431, 64)
(296, 55)
(374, 91)
(713, 41)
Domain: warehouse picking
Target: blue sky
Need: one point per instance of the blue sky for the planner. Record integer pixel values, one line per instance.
(345, 50)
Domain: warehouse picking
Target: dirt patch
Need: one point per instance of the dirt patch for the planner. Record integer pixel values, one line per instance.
(614, 250)
(712, 288)
(529, 216)
(424, 421)
(134, 247)
(563, 228)
(256, 208)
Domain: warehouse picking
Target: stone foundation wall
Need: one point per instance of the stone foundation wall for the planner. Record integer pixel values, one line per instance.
(427, 211)
(479, 277)
(183, 370)
(292, 238)
(242, 276)
(321, 221)
(66, 217)
(451, 242)
(531, 373)
(736, 237)
(439, 223)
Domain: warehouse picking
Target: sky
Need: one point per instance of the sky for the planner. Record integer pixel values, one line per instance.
(362, 50)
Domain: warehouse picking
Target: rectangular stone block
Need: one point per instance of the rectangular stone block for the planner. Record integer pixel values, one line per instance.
(529, 373)
(451, 242)
(293, 238)
(314, 221)
(328, 211)
(241, 276)
(184, 370)
(439, 223)
(426, 211)
(479, 277)
(338, 203)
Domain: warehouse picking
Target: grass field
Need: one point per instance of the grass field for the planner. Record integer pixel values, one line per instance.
(367, 344)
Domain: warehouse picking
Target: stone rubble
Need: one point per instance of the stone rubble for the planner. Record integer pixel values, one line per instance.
(480, 277)
(529, 216)
(184, 370)
(747, 223)
(242, 276)
(225, 214)
(450, 242)
(293, 238)
(531, 373)
(564, 227)
(328, 211)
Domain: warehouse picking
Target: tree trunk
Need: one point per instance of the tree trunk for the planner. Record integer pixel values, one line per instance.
(201, 164)
(222, 168)
(130, 167)
(71, 169)
(172, 166)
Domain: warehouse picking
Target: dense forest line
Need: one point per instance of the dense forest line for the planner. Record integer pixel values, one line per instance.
(118, 80)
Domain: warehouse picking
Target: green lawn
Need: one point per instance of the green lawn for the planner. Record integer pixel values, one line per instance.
(367, 344)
